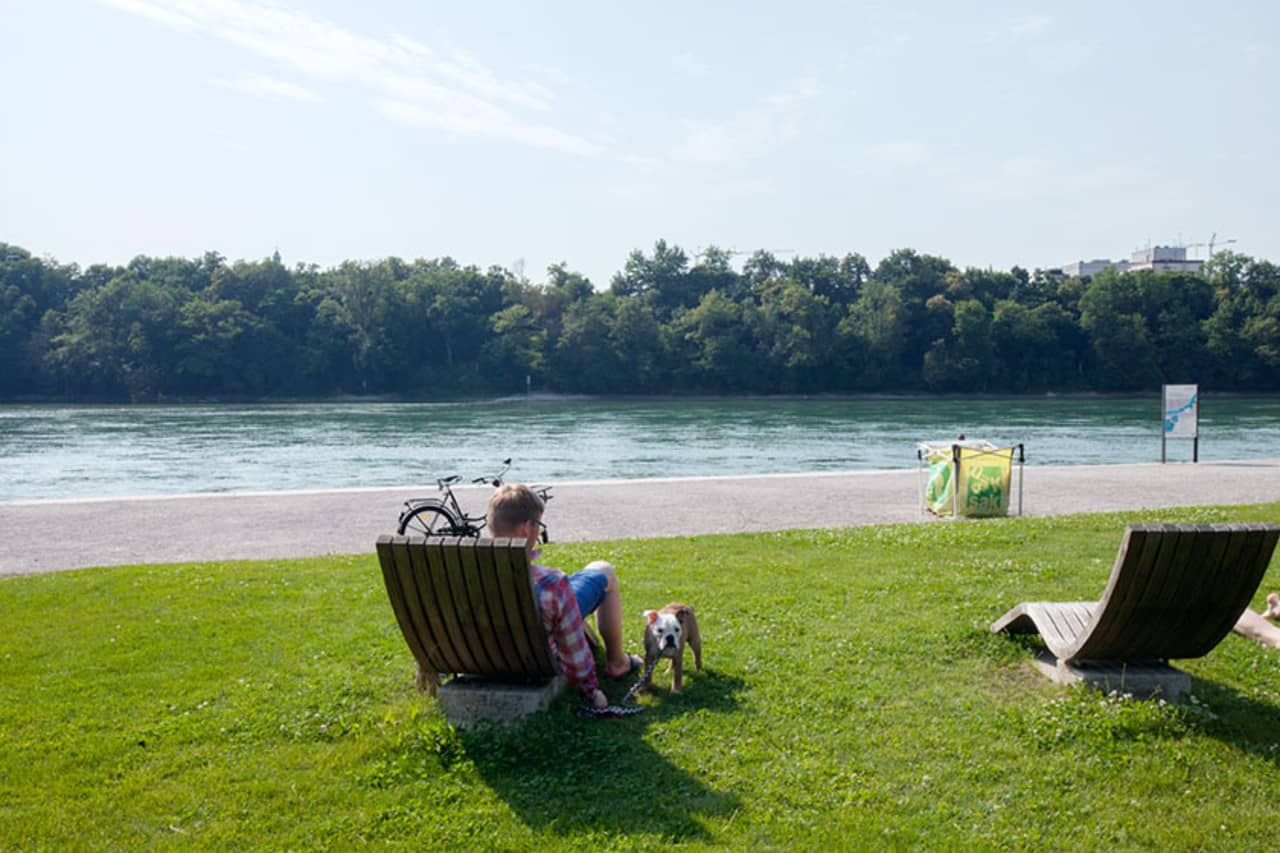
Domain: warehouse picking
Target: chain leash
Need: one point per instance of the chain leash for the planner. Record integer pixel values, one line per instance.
(622, 709)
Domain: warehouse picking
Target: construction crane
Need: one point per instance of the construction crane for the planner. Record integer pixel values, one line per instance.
(1215, 237)
(1212, 242)
(732, 252)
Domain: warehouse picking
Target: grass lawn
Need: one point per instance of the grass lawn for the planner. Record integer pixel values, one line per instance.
(852, 697)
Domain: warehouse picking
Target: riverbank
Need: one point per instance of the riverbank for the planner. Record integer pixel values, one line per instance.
(45, 536)
(557, 397)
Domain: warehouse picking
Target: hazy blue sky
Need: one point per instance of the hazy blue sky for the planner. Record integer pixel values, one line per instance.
(992, 134)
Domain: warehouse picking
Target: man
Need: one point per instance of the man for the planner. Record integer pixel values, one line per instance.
(564, 600)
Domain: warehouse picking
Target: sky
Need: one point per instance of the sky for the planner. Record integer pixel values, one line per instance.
(525, 134)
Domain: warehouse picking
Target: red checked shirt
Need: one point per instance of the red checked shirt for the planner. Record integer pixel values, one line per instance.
(563, 623)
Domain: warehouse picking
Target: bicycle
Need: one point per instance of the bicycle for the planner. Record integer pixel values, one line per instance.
(444, 516)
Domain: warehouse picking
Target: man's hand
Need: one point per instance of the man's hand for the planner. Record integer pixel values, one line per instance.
(599, 700)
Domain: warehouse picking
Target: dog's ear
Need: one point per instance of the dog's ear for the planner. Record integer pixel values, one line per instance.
(650, 616)
(684, 613)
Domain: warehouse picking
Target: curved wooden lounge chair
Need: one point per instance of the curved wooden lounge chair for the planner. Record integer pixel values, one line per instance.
(1176, 590)
(466, 606)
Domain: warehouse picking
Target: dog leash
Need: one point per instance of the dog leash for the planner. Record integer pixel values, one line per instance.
(622, 709)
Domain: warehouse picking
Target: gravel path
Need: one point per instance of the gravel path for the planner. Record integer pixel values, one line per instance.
(45, 536)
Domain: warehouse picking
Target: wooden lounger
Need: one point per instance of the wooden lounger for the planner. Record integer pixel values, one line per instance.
(1176, 590)
(466, 606)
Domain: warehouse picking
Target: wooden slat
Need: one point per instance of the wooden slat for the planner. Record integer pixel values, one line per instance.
(1206, 561)
(523, 577)
(478, 575)
(1059, 625)
(1238, 583)
(500, 614)
(419, 604)
(1195, 632)
(411, 582)
(395, 591)
(459, 637)
(450, 661)
(1146, 634)
(1128, 578)
(510, 588)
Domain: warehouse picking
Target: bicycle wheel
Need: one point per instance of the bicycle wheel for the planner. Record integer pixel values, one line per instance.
(429, 520)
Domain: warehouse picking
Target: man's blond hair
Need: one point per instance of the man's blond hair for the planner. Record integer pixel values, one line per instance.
(511, 505)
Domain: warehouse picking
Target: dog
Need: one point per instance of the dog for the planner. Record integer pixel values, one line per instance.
(666, 633)
(1273, 606)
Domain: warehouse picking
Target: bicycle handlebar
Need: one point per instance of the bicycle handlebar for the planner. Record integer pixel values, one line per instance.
(495, 480)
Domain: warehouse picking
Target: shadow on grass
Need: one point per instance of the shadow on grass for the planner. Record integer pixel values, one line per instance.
(1242, 722)
(572, 775)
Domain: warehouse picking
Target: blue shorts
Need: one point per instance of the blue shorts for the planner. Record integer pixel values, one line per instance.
(588, 587)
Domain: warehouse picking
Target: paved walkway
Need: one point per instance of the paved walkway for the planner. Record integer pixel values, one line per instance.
(44, 536)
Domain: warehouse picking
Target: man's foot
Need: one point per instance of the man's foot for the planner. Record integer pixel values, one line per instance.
(1273, 606)
(634, 662)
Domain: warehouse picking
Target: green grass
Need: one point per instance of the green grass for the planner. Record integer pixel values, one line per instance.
(852, 697)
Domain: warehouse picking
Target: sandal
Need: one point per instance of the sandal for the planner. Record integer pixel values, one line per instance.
(636, 664)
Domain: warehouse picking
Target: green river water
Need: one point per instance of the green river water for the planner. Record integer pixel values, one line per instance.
(64, 452)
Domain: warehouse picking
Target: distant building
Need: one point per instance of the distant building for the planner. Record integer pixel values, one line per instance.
(1155, 258)
(1080, 269)
(1164, 259)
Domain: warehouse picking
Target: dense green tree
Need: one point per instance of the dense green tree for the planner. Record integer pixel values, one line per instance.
(663, 278)
(917, 278)
(1241, 331)
(1032, 346)
(717, 344)
(18, 321)
(878, 320)
(963, 361)
(639, 345)
(221, 349)
(794, 330)
(837, 281)
(513, 354)
(118, 340)
(713, 271)
(584, 360)
(170, 327)
(1113, 314)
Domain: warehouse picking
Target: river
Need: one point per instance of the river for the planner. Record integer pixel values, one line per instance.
(66, 452)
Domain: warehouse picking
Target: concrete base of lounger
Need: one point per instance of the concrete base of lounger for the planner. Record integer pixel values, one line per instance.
(1146, 681)
(467, 700)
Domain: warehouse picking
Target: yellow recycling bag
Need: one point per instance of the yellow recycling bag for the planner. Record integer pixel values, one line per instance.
(984, 480)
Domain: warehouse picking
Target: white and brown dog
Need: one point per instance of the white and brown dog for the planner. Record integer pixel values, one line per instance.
(666, 633)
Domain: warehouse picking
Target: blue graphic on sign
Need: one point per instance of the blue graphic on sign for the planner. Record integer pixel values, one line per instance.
(1172, 416)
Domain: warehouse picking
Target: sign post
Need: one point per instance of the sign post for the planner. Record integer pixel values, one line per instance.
(1181, 417)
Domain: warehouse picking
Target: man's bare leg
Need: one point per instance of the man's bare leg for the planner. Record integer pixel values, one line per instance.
(609, 623)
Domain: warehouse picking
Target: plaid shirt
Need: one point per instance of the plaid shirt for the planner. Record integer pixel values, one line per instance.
(563, 623)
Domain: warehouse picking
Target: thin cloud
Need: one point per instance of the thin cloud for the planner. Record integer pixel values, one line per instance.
(1030, 177)
(903, 154)
(688, 64)
(415, 115)
(771, 123)
(1032, 25)
(263, 86)
(150, 11)
(407, 81)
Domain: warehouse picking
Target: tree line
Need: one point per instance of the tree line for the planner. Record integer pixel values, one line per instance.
(201, 328)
